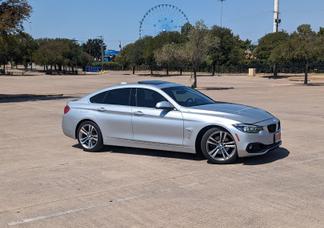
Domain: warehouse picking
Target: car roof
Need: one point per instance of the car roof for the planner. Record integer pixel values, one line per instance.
(158, 83)
(149, 83)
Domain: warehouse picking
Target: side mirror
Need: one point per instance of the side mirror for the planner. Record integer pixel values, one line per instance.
(164, 105)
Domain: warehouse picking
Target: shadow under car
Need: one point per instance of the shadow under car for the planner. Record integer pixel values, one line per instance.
(271, 156)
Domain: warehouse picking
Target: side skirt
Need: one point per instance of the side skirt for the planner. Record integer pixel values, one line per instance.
(148, 145)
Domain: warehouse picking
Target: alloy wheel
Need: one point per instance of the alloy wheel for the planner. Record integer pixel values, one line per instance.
(88, 136)
(221, 146)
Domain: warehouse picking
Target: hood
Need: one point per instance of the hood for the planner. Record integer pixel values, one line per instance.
(237, 112)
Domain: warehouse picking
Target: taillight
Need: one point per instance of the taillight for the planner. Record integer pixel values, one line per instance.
(66, 109)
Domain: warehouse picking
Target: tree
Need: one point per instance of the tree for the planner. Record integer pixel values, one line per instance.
(267, 45)
(166, 56)
(23, 49)
(85, 60)
(186, 28)
(131, 55)
(214, 48)
(302, 47)
(320, 44)
(151, 44)
(321, 31)
(181, 56)
(12, 15)
(168, 38)
(225, 49)
(172, 55)
(196, 48)
(60, 54)
(122, 58)
(142, 52)
(148, 52)
(94, 48)
(4, 57)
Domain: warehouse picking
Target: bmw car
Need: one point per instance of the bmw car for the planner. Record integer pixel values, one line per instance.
(161, 115)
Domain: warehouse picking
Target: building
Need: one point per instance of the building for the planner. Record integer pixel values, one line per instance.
(109, 55)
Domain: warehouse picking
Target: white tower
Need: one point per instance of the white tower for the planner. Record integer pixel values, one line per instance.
(276, 19)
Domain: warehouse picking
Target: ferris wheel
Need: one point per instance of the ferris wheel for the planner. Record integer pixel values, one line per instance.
(162, 18)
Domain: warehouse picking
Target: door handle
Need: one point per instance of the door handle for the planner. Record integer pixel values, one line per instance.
(138, 113)
(102, 109)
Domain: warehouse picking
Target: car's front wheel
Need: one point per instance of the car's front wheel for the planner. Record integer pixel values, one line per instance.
(219, 146)
(90, 137)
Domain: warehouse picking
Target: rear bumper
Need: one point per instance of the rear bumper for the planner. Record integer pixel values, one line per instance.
(68, 126)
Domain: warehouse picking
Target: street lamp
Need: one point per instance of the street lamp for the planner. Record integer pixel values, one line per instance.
(276, 18)
(221, 12)
(102, 52)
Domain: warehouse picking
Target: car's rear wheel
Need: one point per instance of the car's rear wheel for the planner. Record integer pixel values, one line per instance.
(219, 146)
(90, 137)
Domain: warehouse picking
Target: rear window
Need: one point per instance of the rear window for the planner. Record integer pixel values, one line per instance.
(113, 97)
(98, 99)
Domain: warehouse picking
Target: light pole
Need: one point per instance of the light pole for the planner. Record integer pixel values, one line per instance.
(31, 55)
(221, 13)
(276, 19)
(276, 22)
(102, 52)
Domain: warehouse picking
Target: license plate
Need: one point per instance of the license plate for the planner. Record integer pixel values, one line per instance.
(277, 137)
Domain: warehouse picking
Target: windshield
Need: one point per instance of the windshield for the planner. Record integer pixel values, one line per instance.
(187, 97)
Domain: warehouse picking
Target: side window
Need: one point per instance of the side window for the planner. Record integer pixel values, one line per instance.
(182, 96)
(133, 97)
(114, 97)
(117, 97)
(99, 98)
(148, 98)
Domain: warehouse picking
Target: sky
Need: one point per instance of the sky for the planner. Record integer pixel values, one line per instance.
(118, 20)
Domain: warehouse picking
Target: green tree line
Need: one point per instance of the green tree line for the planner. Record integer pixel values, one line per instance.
(56, 55)
(218, 49)
(195, 48)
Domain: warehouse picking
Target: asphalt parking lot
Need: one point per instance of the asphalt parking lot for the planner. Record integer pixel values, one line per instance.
(47, 181)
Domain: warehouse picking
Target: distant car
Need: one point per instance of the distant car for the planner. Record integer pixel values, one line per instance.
(167, 116)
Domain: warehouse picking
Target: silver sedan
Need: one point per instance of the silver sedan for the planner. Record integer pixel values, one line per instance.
(167, 116)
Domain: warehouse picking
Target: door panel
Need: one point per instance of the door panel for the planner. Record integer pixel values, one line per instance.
(156, 125)
(116, 121)
(113, 113)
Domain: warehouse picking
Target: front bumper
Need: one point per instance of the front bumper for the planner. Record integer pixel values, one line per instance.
(254, 148)
(260, 146)
(257, 144)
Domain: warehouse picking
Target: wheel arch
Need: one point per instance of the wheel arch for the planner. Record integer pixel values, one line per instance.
(80, 122)
(201, 134)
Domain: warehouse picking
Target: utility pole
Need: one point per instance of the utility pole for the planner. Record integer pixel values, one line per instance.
(221, 13)
(276, 19)
(102, 52)
(276, 22)
(31, 55)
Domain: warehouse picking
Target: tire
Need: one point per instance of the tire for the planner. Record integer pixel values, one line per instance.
(219, 146)
(90, 137)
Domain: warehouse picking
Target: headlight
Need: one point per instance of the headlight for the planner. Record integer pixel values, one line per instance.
(248, 128)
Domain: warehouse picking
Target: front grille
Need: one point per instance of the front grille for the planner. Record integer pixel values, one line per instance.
(272, 128)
